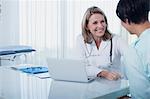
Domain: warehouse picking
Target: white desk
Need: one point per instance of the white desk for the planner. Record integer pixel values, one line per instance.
(18, 85)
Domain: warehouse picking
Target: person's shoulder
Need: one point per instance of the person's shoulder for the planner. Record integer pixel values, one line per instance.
(79, 37)
(116, 37)
(147, 34)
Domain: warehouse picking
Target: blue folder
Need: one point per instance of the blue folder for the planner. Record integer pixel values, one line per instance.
(34, 70)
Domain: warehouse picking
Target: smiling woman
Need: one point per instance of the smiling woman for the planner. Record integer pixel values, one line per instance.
(50, 26)
(53, 25)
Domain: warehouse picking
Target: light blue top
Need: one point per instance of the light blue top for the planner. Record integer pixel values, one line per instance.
(138, 66)
(138, 81)
(143, 50)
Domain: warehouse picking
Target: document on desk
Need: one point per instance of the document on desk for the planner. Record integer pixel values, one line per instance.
(42, 75)
(38, 71)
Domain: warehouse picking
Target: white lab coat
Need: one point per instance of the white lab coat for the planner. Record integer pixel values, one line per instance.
(139, 82)
(97, 60)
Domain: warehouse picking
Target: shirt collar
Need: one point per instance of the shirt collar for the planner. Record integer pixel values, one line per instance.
(102, 45)
(143, 35)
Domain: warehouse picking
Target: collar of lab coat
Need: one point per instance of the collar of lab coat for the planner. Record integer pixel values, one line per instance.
(103, 45)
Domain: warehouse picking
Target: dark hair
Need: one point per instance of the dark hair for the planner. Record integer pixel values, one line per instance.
(85, 32)
(135, 11)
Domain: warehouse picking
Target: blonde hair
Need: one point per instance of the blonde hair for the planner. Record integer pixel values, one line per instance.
(85, 32)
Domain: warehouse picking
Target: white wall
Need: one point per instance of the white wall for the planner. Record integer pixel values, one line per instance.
(9, 26)
(9, 22)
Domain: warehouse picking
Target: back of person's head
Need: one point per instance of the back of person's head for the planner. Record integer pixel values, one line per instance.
(85, 31)
(135, 11)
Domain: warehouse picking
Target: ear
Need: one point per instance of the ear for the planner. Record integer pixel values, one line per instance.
(126, 21)
(86, 27)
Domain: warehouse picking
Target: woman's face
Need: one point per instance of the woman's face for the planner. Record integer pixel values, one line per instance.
(97, 25)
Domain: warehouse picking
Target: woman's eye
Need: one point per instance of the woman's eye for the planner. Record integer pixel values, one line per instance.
(102, 21)
(94, 22)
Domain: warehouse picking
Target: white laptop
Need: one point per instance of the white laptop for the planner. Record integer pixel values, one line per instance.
(67, 70)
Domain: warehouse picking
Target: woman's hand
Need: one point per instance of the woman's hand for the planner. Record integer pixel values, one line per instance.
(109, 75)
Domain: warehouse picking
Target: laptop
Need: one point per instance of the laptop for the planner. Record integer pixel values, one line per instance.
(68, 70)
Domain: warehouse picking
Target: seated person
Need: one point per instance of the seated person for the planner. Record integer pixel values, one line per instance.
(100, 49)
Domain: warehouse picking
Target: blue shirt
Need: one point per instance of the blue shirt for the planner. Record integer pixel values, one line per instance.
(138, 66)
(142, 46)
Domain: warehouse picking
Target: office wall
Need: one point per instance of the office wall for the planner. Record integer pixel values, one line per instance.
(9, 22)
(9, 25)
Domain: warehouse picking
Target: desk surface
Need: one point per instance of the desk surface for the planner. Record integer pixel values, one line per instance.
(18, 85)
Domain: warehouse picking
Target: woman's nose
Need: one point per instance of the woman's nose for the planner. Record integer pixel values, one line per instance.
(100, 25)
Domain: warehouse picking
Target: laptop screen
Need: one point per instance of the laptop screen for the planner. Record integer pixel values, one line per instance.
(67, 69)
